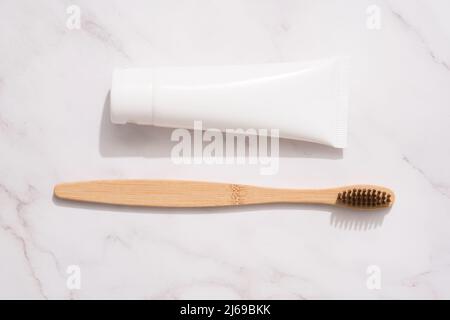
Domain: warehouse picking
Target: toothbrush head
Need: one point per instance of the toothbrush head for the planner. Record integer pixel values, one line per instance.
(366, 198)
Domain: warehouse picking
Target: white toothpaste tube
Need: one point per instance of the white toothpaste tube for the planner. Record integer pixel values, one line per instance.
(302, 100)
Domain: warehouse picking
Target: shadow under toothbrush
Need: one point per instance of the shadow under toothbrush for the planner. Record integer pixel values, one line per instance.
(340, 218)
(132, 140)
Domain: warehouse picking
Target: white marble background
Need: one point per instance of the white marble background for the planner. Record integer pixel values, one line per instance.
(54, 84)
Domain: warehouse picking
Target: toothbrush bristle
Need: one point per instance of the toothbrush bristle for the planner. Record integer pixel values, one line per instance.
(365, 198)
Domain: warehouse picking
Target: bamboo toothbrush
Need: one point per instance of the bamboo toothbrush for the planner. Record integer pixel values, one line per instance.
(172, 193)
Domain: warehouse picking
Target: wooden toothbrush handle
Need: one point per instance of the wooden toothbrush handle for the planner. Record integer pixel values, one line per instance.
(172, 193)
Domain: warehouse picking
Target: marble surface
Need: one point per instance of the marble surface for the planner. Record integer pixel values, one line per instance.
(54, 127)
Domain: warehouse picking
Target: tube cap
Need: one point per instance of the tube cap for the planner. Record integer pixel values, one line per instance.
(131, 96)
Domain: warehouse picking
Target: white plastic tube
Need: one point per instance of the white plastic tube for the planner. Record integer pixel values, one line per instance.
(304, 101)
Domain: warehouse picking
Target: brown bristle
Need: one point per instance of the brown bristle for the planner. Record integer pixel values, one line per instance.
(367, 198)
